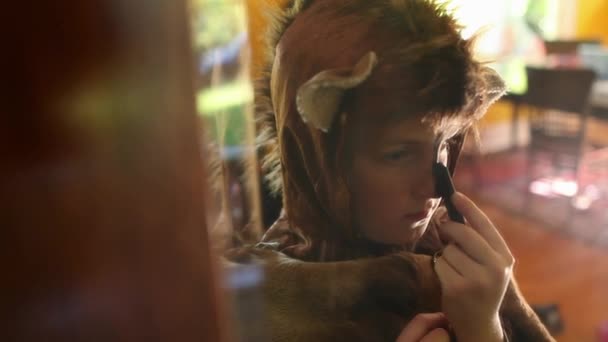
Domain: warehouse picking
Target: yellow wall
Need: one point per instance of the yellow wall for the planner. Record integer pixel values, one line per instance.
(592, 19)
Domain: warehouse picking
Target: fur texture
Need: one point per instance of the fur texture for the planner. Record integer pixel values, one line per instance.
(267, 139)
(368, 299)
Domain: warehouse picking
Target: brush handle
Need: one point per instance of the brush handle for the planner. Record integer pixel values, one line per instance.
(452, 212)
(445, 189)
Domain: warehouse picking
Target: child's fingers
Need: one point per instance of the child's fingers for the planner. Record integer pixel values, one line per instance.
(470, 241)
(421, 325)
(481, 223)
(461, 262)
(437, 335)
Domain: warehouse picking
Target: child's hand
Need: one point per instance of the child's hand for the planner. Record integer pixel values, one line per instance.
(474, 271)
(427, 327)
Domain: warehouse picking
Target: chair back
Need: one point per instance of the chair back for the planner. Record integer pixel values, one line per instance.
(566, 47)
(566, 90)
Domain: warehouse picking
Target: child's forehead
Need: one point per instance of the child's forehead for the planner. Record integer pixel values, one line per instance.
(392, 112)
(415, 129)
(415, 126)
(395, 105)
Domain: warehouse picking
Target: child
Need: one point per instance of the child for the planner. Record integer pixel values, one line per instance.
(361, 98)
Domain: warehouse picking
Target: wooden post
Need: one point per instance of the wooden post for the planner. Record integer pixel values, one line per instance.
(101, 176)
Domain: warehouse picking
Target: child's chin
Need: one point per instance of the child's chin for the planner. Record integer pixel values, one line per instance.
(408, 238)
(417, 230)
(401, 235)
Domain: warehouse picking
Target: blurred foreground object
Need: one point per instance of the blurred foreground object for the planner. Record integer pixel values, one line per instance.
(101, 177)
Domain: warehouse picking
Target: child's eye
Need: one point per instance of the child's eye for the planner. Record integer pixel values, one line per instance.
(399, 155)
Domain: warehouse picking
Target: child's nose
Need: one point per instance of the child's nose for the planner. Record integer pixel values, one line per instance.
(424, 185)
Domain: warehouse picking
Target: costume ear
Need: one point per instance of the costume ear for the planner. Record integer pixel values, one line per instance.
(319, 98)
(494, 85)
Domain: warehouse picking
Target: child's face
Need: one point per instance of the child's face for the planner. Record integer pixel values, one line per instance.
(392, 182)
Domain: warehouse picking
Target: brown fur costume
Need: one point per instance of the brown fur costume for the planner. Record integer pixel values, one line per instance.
(324, 281)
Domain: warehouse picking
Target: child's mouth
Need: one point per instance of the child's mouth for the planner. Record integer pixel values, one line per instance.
(418, 216)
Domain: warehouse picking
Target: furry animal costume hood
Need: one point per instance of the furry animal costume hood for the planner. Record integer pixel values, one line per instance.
(325, 57)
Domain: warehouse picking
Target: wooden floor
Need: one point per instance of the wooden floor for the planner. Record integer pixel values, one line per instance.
(554, 269)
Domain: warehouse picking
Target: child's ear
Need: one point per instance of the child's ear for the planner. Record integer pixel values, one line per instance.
(318, 100)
